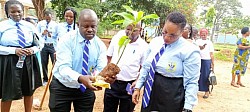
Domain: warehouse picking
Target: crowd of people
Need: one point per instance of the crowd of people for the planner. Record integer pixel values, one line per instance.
(172, 68)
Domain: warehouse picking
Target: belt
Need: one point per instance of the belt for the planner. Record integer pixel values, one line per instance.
(48, 44)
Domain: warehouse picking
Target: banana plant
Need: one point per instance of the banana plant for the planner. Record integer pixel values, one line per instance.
(130, 17)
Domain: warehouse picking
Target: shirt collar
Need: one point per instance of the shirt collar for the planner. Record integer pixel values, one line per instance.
(14, 23)
(174, 43)
(137, 41)
(66, 24)
(81, 39)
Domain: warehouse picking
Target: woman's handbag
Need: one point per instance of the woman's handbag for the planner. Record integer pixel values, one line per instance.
(212, 79)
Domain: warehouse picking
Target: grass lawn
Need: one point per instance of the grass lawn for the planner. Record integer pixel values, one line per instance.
(224, 52)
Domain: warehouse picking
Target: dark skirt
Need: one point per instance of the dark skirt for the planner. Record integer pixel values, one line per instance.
(167, 95)
(18, 82)
(205, 71)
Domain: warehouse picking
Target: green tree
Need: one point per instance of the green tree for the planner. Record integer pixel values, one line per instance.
(234, 24)
(210, 17)
(223, 9)
(60, 5)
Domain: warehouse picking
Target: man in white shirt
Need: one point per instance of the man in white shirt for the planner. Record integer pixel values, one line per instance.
(46, 29)
(130, 64)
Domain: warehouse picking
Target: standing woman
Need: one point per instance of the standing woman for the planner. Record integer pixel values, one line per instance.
(207, 61)
(241, 56)
(70, 22)
(16, 38)
(171, 71)
(188, 32)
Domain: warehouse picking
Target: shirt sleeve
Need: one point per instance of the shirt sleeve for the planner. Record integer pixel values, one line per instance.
(144, 71)
(111, 46)
(144, 55)
(7, 50)
(38, 27)
(191, 72)
(239, 41)
(211, 47)
(102, 58)
(64, 62)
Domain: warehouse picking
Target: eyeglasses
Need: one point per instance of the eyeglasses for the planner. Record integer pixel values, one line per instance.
(170, 35)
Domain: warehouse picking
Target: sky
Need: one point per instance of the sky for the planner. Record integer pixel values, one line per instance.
(246, 7)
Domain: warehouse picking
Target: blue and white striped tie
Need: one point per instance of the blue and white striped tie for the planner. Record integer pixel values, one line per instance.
(21, 39)
(150, 79)
(85, 63)
(68, 28)
(47, 27)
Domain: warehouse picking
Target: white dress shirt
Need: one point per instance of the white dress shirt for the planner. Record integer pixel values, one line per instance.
(131, 60)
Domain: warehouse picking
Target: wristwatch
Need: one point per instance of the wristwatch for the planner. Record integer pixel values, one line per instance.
(186, 110)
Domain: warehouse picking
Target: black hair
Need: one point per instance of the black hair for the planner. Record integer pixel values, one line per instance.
(47, 13)
(244, 30)
(75, 14)
(191, 32)
(177, 18)
(9, 3)
(27, 19)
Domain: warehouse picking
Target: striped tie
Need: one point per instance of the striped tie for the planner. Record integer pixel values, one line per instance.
(150, 79)
(47, 26)
(21, 39)
(85, 63)
(68, 28)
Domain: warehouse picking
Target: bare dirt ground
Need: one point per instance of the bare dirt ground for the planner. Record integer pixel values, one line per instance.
(224, 97)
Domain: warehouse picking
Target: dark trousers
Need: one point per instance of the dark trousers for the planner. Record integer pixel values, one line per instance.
(118, 95)
(167, 95)
(61, 98)
(48, 50)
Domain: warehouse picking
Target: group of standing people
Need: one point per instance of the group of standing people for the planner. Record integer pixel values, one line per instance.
(172, 69)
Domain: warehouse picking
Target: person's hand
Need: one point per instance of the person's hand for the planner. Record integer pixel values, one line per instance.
(203, 46)
(136, 96)
(87, 80)
(49, 34)
(45, 32)
(29, 51)
(21, 52)
(110, 79)
(133, 84)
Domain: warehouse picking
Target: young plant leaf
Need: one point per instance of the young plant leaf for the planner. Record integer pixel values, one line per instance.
(129, 9)
(118, 22)
(125, 15)
(139, 16)
(150, 16)
(121, 42)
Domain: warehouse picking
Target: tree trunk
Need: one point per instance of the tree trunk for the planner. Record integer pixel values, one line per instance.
(39, 7)
(214, 25)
